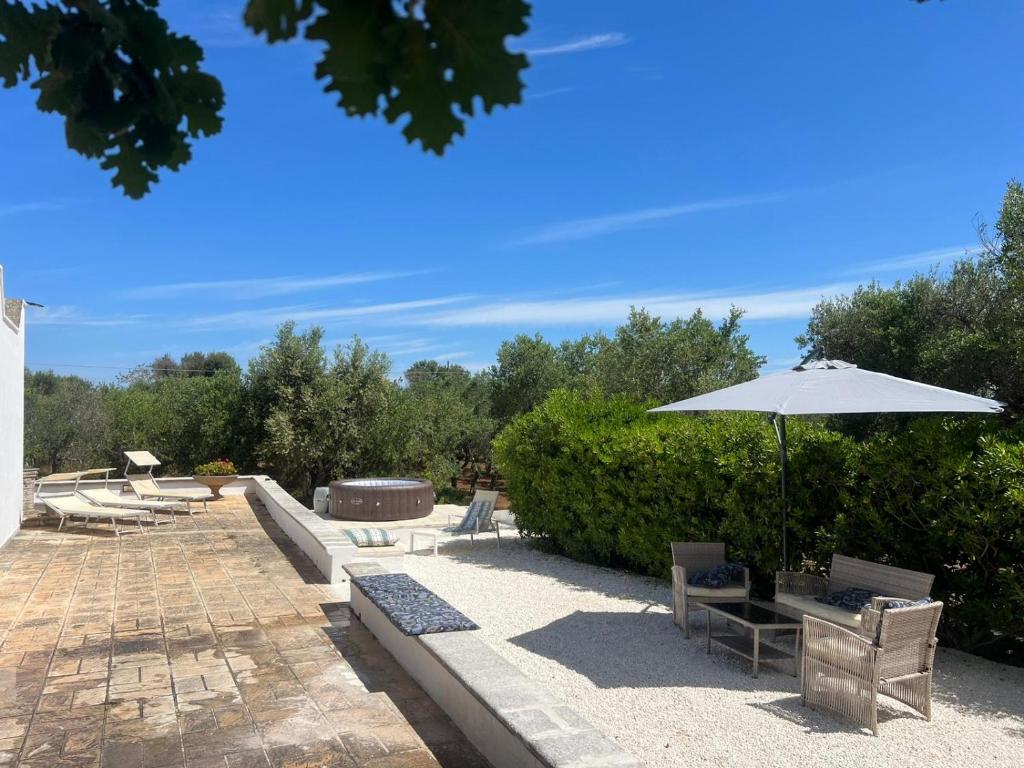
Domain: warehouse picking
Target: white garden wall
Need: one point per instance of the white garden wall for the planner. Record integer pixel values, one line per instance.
(12, 411)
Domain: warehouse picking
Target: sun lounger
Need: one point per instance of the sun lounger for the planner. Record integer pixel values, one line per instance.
(105, 497)
(478, 518)
(145, 487)
(69, 477)
(71, 505)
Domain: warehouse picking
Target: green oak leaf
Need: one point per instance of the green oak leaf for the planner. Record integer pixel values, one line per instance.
(24, 35)
(279, 19)
(424, 60)
(132, 174)
(422, 93)
(131, 92)
(361, 40)
(470, 40)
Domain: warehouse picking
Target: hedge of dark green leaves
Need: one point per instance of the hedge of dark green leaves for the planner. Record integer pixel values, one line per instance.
(600, 480)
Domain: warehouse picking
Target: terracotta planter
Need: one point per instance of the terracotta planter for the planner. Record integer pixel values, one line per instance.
(215, 482)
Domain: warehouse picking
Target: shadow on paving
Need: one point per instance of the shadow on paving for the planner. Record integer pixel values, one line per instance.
(379, 673)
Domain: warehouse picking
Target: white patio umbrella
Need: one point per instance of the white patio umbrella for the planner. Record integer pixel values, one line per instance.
(828, 387)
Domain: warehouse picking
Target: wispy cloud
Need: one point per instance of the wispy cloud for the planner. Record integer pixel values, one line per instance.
(251, 318)
(579, 45)
(36, 207)
(71, 315)
(931, 258)
(767, 305)
(253, 288)
(221, 29)
(536, 95)
(584, 229)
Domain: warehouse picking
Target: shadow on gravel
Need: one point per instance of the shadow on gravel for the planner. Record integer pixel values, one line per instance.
(646, 650)
(518, 556)
(790, 708)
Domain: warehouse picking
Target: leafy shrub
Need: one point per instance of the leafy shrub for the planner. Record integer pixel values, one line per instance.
(216, 468)
(600, 480)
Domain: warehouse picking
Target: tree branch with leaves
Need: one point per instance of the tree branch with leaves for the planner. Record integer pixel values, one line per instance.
(134, 96)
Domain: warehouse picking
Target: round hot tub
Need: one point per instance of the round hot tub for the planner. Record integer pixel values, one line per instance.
(380, 499)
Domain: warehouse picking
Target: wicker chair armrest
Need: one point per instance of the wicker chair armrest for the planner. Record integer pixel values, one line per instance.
(879, 600)
(869, 621)
(795, 583)
(679, 575)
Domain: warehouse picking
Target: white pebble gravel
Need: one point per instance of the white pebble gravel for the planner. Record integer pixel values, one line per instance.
(603, 641)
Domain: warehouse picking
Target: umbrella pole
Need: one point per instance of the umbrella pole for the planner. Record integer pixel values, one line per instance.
(779, 422)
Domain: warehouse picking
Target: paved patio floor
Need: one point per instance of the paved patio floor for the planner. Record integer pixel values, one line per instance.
(213, 642)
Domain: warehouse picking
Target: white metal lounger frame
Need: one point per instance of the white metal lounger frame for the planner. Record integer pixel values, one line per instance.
(146, 460)
(109, 498)
(138, 503)
(92, 510)
(112, 515)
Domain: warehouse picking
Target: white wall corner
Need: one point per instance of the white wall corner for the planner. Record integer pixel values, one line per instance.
(12, 414)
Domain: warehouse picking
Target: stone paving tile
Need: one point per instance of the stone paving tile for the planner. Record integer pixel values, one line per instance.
(212, 643)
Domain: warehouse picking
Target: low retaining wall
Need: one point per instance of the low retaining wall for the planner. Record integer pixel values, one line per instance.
(509, 718)
(323, 542)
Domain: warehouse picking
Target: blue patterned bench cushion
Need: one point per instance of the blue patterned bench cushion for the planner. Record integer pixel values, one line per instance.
(410, 606)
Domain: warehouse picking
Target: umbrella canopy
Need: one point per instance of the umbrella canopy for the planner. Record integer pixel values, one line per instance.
(832, 386)
(827, 387)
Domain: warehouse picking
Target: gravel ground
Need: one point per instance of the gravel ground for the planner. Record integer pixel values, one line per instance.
(604, 642)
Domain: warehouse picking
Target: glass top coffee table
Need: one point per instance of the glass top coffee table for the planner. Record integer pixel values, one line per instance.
(752, 619)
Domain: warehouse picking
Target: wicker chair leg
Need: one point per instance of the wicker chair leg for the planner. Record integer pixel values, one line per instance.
(680, 607)
(926, 710)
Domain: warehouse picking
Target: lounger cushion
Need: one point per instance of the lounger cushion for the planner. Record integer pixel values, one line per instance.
(371, 537)
(801, 604)
(410, 606)
(478, 512)
(732, 590)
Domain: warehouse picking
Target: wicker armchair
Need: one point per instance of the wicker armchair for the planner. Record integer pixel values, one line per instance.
(844, 672)
(687, 559)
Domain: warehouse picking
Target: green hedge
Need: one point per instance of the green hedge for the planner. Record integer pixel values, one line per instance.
(600, 480)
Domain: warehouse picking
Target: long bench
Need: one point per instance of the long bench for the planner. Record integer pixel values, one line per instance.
(511, 720)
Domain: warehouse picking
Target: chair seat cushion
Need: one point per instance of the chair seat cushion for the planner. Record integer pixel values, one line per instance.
(807, 604)
(836, 651)
(719, 576)
(371, 537)
(733, 590)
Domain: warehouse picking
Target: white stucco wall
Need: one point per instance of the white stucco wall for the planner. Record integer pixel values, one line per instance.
(12, 417)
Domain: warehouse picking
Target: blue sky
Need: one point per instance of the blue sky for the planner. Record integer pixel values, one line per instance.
(689, 154)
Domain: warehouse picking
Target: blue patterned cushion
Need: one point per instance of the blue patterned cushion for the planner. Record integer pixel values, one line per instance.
(719, 576)
(410, 606)
(852, 599)
(371, 537)
(478, 511)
